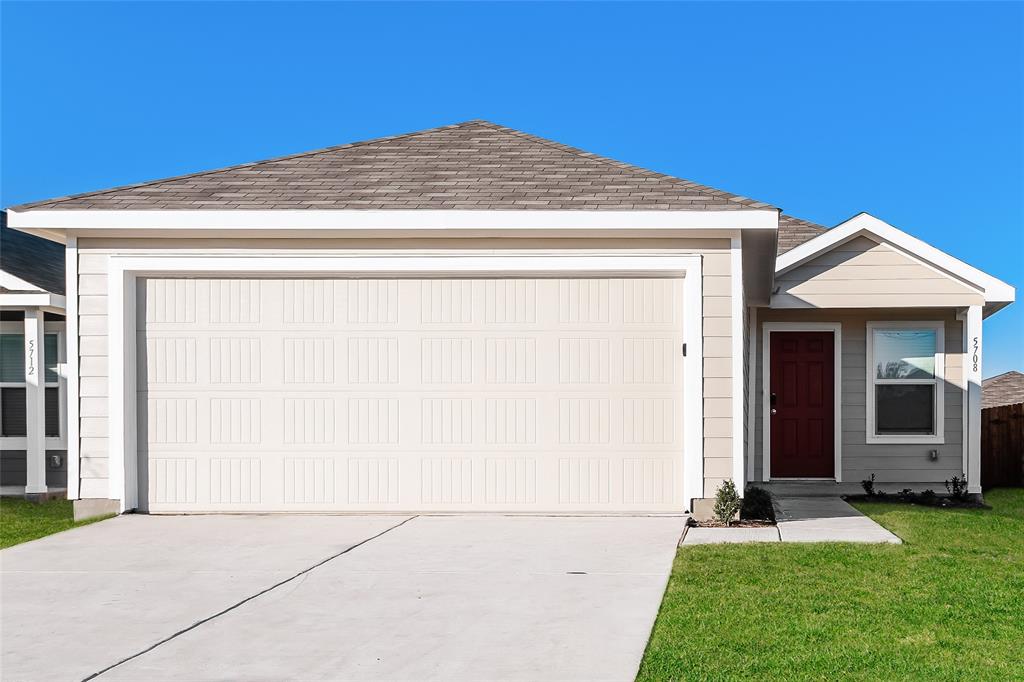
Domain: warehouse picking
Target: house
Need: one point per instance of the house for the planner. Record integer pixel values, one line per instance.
(33, 400)
(471, 318)
(1004, 389)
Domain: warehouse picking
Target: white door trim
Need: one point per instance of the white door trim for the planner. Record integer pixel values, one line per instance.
(766, 382)
(124, 270)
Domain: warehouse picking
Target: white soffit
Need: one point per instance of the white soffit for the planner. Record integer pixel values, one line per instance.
(864, 224)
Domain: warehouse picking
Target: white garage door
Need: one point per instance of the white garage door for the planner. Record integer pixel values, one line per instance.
(406, 394)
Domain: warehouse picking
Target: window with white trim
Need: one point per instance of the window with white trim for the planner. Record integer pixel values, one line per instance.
(905, 369)
(13, 387)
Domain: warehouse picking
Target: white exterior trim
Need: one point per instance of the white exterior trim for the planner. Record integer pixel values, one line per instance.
(972, 364)
(863, 224)
(766, 383)
(738, 306)
(50, 223)
(939, 437)
(35, 402)
(71, 372)
(46, 300)
(124, 270)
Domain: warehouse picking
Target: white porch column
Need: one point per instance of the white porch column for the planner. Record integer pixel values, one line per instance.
(35, 403)
(973, 374)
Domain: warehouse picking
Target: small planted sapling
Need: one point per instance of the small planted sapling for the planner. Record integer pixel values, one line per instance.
(727, 503)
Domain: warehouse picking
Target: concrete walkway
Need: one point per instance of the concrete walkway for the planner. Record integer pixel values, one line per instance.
(336, 597)
(801, 519)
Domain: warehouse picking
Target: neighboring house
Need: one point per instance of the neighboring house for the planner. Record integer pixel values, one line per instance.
(1004, 389)
(33, 420)
(473, 318)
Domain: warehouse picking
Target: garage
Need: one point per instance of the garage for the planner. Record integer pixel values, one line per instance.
(410, 394)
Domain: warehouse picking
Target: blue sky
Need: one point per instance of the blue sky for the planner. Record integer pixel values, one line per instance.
(912, 112)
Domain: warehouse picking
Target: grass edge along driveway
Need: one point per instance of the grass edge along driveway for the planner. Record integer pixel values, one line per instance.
(948, 604)
(21, 521)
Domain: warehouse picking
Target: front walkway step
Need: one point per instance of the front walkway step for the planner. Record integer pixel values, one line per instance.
(826, 519)
(801, 519)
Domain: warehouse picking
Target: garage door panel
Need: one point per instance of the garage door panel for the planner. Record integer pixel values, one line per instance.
(363, 395)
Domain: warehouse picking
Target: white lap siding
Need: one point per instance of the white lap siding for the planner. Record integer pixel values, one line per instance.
(94, 254)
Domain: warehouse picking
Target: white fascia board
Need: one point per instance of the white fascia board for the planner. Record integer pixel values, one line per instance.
(12, 282)
(864, 224)
(52, 302)
(49, 223)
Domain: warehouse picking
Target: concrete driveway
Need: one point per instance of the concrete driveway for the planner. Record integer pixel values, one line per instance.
(336, 598)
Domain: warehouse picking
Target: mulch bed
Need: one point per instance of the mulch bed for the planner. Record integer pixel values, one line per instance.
(937, 501)
(743, 523)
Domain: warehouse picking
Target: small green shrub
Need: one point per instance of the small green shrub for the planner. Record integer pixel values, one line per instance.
(929, 497)
(957, 488)
(869, 486)
(757, 504)
(727, 503)
(907, 495)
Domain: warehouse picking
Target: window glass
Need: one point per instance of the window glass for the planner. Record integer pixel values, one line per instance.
(52, 355)
(12, 358)
(53, 411)
(904, 354)
(12, 412)
(905, 409)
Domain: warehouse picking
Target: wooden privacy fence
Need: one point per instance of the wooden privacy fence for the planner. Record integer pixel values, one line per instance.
(1002, 446)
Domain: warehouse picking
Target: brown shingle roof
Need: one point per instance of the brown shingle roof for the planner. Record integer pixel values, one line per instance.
(1005, 389)
(793, 232)
(472, 165)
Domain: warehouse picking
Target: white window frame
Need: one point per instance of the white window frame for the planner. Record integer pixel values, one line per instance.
(938, 380)
(51, 442)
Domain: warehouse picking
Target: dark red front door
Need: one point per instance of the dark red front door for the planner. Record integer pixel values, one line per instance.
(802, 405)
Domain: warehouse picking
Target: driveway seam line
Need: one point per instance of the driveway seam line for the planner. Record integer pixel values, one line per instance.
(245, 601)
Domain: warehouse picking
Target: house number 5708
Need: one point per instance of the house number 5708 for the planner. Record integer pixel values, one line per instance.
(974, 358)
(31, 357)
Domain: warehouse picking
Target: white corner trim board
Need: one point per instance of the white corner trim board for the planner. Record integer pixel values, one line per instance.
(72, 368)
(863, 224)
(738, 306)
(124, 270)
(252, 221)
(836, 329)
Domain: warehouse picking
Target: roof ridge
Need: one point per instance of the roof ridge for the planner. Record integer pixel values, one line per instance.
(569, 149)
(248, 164)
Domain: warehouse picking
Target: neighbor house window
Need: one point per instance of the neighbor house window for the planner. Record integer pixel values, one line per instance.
(905, 382)
(13, 415)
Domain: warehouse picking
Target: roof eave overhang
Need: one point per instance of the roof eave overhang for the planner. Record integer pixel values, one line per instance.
(18, 300)
(998, 294)
(57, 224)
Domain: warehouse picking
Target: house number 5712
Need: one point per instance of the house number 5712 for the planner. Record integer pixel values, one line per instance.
(976, 347)
(31, 370)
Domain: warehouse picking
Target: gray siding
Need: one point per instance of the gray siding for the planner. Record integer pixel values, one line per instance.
(890, 463)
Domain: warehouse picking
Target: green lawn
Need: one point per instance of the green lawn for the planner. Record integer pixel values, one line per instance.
(948, 604)
(21, 521)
